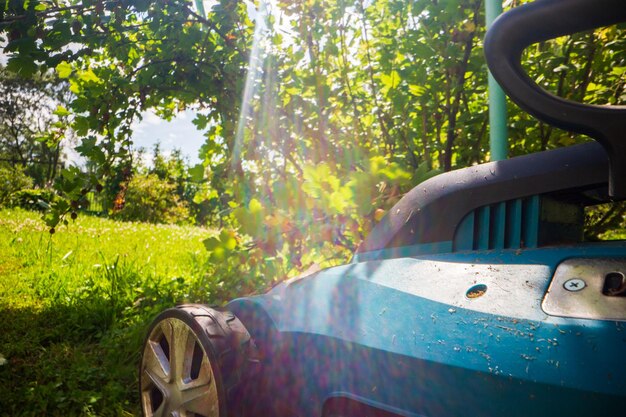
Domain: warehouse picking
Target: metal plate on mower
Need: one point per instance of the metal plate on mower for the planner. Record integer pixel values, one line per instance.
(513, 291)
(588, 289)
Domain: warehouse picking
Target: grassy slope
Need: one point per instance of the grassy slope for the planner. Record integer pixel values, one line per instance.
(74, 308)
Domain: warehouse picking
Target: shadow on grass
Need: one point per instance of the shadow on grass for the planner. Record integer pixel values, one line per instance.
(71, 360)
(77, 350)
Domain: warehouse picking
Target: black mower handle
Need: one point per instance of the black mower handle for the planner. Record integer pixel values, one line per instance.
(542, 20)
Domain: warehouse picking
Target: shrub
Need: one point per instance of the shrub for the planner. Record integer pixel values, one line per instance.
(151, 199)
(12, 180)
(33, 199)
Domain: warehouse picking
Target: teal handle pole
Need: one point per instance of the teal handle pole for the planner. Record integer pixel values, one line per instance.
(498, 133)
(200, 8)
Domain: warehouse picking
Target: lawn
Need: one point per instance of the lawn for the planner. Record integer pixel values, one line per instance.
(74, 307)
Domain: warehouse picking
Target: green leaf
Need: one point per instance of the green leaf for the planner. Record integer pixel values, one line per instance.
(22, 65)
(391, 80)
(227, 237)
(81, 125)
(255, 207)
(133, 55)
(211, 243)
(75, 86)
(200, 121)
(88, 76)
(196, 173)
(64, 69)
(416, 90)
(250, 218)
(618, 70)
(61, 111)
(51, 218)
(60, 206)
(87, 145)
(340, 200)
(220, 246)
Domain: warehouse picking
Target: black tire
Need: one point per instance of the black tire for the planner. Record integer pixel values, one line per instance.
(168, 379)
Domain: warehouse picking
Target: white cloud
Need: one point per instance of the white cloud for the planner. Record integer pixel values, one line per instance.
(179, 133)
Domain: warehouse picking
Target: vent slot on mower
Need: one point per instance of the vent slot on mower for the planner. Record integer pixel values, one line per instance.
(521, 223)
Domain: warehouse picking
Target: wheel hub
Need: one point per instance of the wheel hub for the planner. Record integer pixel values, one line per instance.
(176, 376)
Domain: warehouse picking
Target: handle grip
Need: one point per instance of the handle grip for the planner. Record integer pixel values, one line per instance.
(542, 20)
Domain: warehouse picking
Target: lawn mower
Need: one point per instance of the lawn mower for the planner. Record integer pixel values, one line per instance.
(476, 295)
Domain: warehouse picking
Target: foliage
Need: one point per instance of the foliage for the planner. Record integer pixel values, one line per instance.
(170, 167)
(33, 124)
(161, 191)
(149, 198)
(74, 308)
(605, 221)
(345, 106)
(34, 199)
(587, 67)
(121, 58)
(174, 169)
(12, 180)
(337, 134)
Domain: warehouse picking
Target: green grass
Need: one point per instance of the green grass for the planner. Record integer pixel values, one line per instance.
(74, 308)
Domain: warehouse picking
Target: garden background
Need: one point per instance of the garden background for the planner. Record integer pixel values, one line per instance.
(318, 115)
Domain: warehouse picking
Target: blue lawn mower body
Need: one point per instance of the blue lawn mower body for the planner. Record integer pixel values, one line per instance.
(475, 296)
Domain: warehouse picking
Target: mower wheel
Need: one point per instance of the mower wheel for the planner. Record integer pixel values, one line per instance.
(195, 361)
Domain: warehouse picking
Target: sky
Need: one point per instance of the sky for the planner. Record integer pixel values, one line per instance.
(180, 133)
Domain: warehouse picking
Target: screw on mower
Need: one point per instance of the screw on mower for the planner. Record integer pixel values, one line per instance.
(574, 284)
